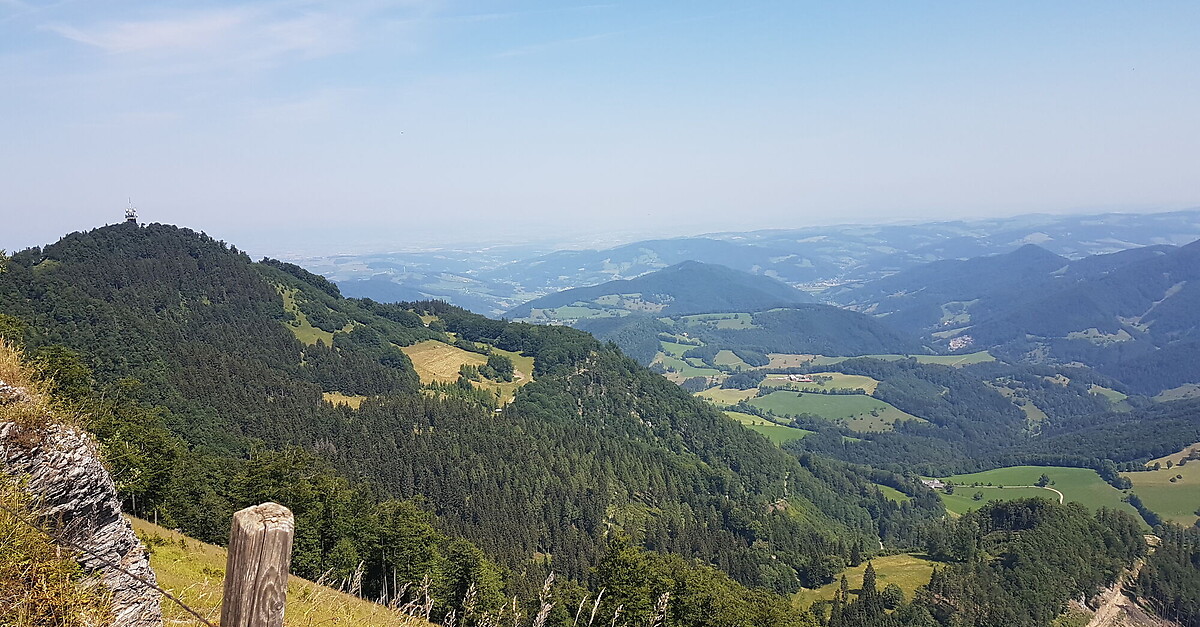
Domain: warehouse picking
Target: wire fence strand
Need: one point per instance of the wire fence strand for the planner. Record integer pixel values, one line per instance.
(107, 562)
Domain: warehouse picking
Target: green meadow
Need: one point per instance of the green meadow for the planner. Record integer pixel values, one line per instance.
(838, 381)
(856, 411)
(722, 396)
(721, 320)
(1176, 501)
(727, 357)
(778, 434)
(1078, 485)
(905, 570)
(893, 494)
(672, 357)
(965, 359)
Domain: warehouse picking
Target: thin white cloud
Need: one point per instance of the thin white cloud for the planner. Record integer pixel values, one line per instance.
(193, 31)
(250, 36)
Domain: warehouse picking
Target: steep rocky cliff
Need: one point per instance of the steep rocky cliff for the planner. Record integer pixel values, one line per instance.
(60, 468)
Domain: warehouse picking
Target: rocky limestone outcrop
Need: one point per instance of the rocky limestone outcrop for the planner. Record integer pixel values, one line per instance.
(75, 495)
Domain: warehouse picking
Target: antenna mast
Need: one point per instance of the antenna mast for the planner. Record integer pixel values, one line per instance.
(131, 213)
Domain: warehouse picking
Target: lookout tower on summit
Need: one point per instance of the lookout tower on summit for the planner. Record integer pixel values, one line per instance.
(131, 213)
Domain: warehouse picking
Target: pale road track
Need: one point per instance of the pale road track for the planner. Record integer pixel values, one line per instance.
(1061, 498)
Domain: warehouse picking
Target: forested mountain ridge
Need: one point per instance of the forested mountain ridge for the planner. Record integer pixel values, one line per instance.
(808, 329)
(689, 287)
(640, 258)
(495, 278)
(1127, 314)
(920, 298)
(210, 370)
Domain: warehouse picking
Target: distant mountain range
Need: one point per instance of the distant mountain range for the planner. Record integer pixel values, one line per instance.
(1131, 314)
(494, 280)
(690, 287)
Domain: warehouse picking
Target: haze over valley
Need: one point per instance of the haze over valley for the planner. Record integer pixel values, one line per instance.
(452, 313)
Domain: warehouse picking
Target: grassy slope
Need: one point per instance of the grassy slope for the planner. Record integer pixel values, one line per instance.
(306, 332)
(723, 321)
(727, 358)
(788, 360)
(438, 361)
(672, 356)
(963, 501)
(907, 571)
(777, 434)
(1033, 414)
(893, 494)
(1081, 485)
(722, 396)
(949, 360)
(1189, 390)
(852, 410)
(337, 398)
(194, 571)
(1177, 501)
(840, 382)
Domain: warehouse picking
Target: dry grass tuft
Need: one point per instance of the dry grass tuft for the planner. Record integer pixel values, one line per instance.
(26, 403)
(194, 572)
(40, 584)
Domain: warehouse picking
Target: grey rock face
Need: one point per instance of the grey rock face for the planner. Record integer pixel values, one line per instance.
(76, 495)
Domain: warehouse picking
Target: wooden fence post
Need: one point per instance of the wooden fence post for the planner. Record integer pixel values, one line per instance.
(256, 573)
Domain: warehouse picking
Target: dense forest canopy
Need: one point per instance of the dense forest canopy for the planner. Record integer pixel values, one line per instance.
(214, 382)
(190, 358)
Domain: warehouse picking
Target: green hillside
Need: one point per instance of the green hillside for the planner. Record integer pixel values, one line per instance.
(209, 387)
(1173, 490)
(776, 433)
(1128, 314)
(214, 382)
(690, 287)
(856, 411)
(1077, 485)
(747, 339)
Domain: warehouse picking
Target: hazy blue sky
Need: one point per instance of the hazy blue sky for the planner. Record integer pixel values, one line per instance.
(420, 119)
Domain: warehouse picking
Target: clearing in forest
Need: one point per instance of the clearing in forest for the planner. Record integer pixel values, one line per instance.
(300, 326)
(1176, 501)
(729, 359)
(965, 359)
(337, 398)
(778, 434)
(732, 321)
(680, 368)
(1078, 485)
(855, 411)
(438, 361)
(726, 396)
(905, 570)
(1185, 391)
(825, 381)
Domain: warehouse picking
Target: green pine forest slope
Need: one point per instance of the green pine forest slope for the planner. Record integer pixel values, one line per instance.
(205, 377)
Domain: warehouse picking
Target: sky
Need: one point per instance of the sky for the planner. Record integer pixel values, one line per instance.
(395, 123)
